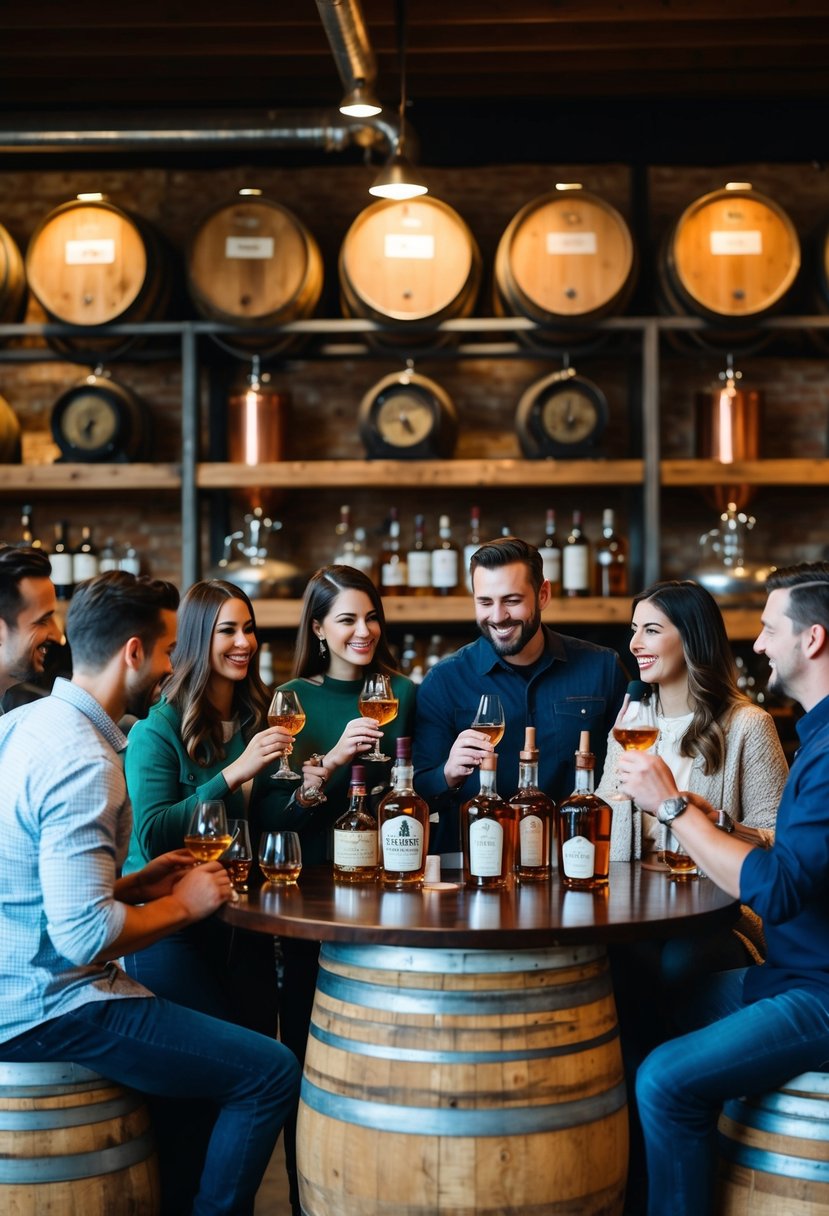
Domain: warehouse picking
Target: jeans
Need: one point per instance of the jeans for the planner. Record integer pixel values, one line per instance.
(163, 1049)
(682, 1085)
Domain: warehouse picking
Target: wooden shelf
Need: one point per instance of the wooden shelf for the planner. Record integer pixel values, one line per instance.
(456, 610)
(803, 473)
(89, 478)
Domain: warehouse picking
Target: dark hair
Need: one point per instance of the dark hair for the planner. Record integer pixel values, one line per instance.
(505, 552)
(186, 691)
(111, 608)
(323, 588)
(712, 672)
(808, 583)
(15, 565)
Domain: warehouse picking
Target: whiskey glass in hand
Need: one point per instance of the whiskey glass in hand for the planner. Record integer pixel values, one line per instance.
(280, 857)
(237, 857)
(377, 701)
(286, 711)
(208, 835)
(489, 719)
(636, 728)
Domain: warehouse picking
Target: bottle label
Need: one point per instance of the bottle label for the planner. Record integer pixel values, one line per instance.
(468, 553)
(419, 562)
(578, 855)
(402, 843)
(486, 848)
(531, 840)
(444, 567)
(551, 561)
(61, 569)
(576, 568)
(84, 565)
(355, 848)
(393, 574)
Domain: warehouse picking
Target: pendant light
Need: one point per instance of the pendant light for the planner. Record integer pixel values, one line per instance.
(359, 101)
(398, 179)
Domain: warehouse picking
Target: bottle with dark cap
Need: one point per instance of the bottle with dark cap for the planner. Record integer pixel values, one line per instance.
(636, 729)
(535, 817)
(403, 819)
(487, 833)
(583, 823)
(355, 836)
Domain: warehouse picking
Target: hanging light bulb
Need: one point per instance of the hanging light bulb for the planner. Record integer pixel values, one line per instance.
(359, 101)
(398, 179)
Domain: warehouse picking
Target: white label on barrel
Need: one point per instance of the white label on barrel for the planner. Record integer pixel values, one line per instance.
(486, 846)
(750, 241)
(578, 856)
(572, 242)
(249, 247)
(402, 844)
(531, 839)
(90, 252)
(405, 245)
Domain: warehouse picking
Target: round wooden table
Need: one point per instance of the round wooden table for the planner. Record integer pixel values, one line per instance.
(463, 1055)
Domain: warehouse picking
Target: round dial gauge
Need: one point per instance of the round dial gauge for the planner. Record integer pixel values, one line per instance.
(570, 416)
(99, 419)
(561, 415)
(89, 422)
(404, 419)
(408, 417)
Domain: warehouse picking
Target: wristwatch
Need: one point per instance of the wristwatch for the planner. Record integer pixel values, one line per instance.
(670, 809)
(723, 821)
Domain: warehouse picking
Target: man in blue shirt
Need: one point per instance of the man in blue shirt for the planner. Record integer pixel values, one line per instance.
(559, 685)
(66, 917)
(774, 1018)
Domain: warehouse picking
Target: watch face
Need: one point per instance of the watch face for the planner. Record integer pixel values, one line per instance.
(88, 422)
(569, 416)
(404, 418)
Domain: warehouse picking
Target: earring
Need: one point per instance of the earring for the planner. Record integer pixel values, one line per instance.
(323, 648)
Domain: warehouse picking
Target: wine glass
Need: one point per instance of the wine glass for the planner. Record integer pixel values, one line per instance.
(208, 836)
(286, 711)
(280, 857)
(489, 719)
(636, 729)
(377, 701)
(237, 857)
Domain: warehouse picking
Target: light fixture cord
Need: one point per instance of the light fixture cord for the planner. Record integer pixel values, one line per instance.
(400, 13)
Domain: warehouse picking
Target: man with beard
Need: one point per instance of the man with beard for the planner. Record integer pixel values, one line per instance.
(28, 622)
(66, 916)
(755, 1028)
(560, 685)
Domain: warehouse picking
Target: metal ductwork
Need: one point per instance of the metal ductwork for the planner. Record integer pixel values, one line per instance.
(345, 28)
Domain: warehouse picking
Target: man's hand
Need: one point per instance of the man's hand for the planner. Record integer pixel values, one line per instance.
(647, 779)
(466, 755)
(160, 875)
(203, 889)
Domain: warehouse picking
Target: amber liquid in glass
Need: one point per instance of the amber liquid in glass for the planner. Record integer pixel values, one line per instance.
(206, 848)
(381, 711)
(636, 738)
(292, 723)
(238, 871)
(493, 731)
(281, 876)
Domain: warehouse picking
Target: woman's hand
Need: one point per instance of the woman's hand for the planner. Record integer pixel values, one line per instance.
(360, 735)
(646, 778)
(264, 749)
(466, 755)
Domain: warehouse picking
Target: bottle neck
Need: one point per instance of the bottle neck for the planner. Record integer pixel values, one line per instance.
(403, 777)
(358, 796)
(584, 781)
(487, 777)
(528, 774)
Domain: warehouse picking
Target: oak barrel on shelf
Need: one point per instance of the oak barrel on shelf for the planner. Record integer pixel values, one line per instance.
(12, 279)
(74, 1143)
(462, 1081)
(409, 265)
(253, 264)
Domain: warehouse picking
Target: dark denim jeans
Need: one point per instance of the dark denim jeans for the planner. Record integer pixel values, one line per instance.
(682, 1085)
(162, 1049)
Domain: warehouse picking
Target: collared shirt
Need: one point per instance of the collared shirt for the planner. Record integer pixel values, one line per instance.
(788, 885)
(64, 827)
(576, 686)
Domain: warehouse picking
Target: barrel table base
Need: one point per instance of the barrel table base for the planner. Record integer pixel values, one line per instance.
(774, 1151)
(462, 1082)
(74, 1144)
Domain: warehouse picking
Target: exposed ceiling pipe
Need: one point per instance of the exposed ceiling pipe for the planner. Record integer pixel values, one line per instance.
(345, 28)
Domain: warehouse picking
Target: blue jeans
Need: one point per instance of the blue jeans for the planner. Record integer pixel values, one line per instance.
(160, 1048)
(682, 1084)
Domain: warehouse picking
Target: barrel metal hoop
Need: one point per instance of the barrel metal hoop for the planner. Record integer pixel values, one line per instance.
(453, 962)
(46, 1073)
(779, 1164)
(45, 1119)
(773, 1109)
(30, 1170)
(440, 1121)
(481, 1001)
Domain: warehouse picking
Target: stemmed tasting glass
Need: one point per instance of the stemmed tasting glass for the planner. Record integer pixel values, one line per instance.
(636, 729)
(287, 712)
(377, 701)
(489, 719)
(237, 857)
(208, 835)
(280, 857)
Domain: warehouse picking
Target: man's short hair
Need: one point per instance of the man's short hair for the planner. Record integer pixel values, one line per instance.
(15, 565)
(808, 583)
(111, 608)
(505, 551)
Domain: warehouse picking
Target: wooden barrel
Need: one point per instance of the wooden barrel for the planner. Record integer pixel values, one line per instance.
(12, 279)
(101, 420)
(74, 1143)
(409, 265)
(774, 1151)
(92, 264)
(253, 264)
(10, 434)
(462, 1081)
(566, 259)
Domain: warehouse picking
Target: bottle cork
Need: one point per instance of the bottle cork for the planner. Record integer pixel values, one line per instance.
(530, 751)
(584, 756)
(489, 763)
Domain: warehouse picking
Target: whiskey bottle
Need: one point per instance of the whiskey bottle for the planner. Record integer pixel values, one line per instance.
(575, 561)
(445, 561)
(361, 558)
(355, 836)
(403, 823)
(393, 574)
(487, 833)
(419, 561)
(473, 543)
(535, 816)
(344, 543)
(84, 558)
(583, 823)
(611, 559)
(61, 559)
(550, 550)
(28, 540)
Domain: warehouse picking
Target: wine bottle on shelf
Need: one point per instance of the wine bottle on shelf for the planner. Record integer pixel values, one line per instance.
(355, 836)
(487, 833)
(361, 558)
(108, 558)
(130, 561)
(473, 543)
(575, 560)
(84, 557)
(550, 550)
(434, 651)
(535, 817)
(61, 560)
(445, 561)
(28, 540)
(583, 824)
(344, 543)
(611, 559)
(419, 561)
(393, 574)
(403, 824)
(408, 654)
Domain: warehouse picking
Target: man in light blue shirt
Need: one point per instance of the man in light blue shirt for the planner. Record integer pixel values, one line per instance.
(66, 916)
(28, 621)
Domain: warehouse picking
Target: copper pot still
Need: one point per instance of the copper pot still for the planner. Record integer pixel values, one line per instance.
(728, 421)
(256, 428)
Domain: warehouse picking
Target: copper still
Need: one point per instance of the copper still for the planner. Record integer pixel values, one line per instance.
(728, 430)
(256, 417)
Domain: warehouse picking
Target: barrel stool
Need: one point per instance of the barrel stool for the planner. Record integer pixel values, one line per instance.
(74, 1144)
(774, 1151)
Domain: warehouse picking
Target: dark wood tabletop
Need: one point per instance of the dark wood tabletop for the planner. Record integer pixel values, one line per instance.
(638, 903)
